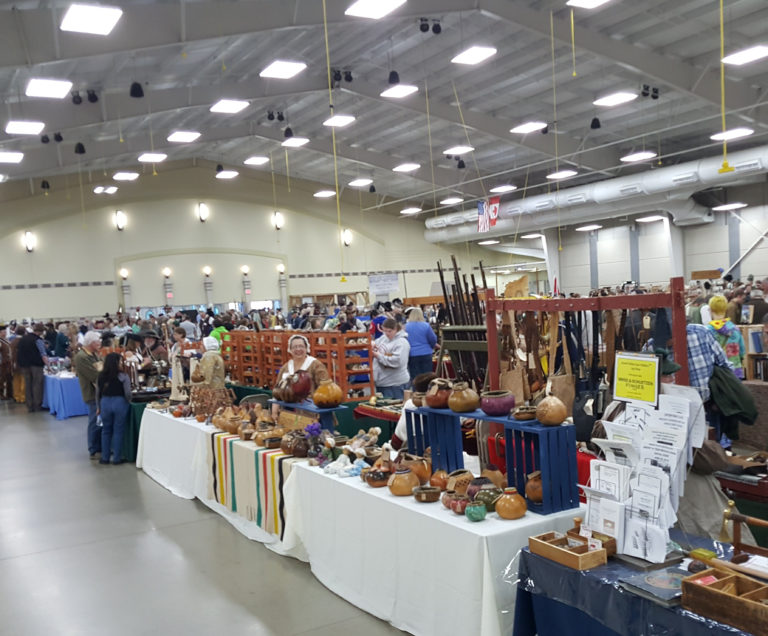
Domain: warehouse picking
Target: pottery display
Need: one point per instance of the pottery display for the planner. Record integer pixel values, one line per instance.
(551, 411)
(272, 442)
(511, 505)
(328, 395)
(402, 482)
(421, 467)
(377, 478)
(417, 397)
(447, 497)
(475, 485)
(497, 403)
(488, 495)
(524, 413)
(438, 393)
(459, 480)
(533, 487)
(459, 504)
(495, 475)
(293, 388)
(439, 479)
(426, 494)
(463, 399)
(475, 511)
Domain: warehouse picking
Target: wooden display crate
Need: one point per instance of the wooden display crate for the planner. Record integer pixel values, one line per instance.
(241, 354)
(732, 599)
(571, 552)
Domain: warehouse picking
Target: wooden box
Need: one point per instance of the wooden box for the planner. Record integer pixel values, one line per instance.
(732, 599)
(569, 551)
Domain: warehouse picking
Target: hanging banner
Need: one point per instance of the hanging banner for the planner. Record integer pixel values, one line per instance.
(493, 209)
(487, 213)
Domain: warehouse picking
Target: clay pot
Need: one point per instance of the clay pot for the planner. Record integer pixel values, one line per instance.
(293, 388)
(328, 395)
(463, 399)
(459, 481)
(272, 442)
(438, 393)
(475, 485)
(417, 397)
(495, 475)
(420, 466)
(403, 482)
(377, 478)
(496, 403)
(475, 511)
(459, 504)
(447, 498)
(533, 487)
(294, 443)
(551, 411)
(511, 505)
(439, 479)
(524, 413)
(488, 495)
(426, 494)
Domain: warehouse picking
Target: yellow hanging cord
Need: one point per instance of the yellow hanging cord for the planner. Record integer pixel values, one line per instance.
(520, 215)
(726, 166)
(429, 138)
(466, 135)
(274, 189)
(554, 128)
(333, 140)
(287, 170)
(573, 44)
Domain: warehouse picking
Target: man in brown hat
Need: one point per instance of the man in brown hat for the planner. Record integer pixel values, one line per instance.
(6, 365)
(32, 358)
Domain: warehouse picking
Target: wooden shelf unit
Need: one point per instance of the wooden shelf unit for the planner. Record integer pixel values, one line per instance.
(341, 352)
(242, 356)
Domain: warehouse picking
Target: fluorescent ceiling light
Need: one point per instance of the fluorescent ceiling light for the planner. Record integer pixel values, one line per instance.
(650, 219)
(588, 228)
(733, 133)
(586, 4)
(152, 157)
(410, 210)
(532, 236)
(614, 99)
(406, 167)
(373, 9)
(474, 55)
(228, 106)
(125, 176)
(3, 177)
(11, 157)
(324, 194)
(24, 127)
(227, 174)
(98, 190)
(110, 189)
(55, 89)
(399, 91)
(529, 127)
(339, 121)
(256, 160)
(562, 174)
(638, 156)
(295, 142)
(282, 69)
(729, 206)
(183, 136)
(489, 242)
(501, 189)
(746, 56)
(88, 18)
(359, 183)
(451, 201)
(458, 150)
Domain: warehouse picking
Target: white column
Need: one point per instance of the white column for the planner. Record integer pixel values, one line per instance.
(550, 244)
(676, 248)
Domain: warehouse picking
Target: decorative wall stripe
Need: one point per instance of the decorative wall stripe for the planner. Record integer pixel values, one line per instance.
(372, 273)
(93, 283)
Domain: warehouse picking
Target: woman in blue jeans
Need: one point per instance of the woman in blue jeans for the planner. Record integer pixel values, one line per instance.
(422, 339)
(113, 398)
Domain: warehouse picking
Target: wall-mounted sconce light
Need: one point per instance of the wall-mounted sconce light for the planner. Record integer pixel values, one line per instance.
(203, 212)
(123, 273)
(281, 269)
(278, 220)
(29, 241)
(121, 219)
(346, 237)
(207, 270)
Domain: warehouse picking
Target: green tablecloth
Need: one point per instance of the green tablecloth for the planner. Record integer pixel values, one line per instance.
(242, 391)
(131, 434)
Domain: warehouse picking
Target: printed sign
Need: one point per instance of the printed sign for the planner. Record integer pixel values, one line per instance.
(637, 378)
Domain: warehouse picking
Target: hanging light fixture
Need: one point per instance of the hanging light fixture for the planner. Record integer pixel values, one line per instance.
(595, 123)
(394, 77)
(57, 137)
(288, 132)
(79, 148)
(76, 99)
(136, 90)
(92, 96)
(45, 139)
(45, 186)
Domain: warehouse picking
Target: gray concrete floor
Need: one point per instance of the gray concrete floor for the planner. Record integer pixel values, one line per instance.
(90, 549)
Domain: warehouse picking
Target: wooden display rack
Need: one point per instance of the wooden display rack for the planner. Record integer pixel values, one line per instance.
(569, 551)
(273, 347)
(242, 356)
(340, 352)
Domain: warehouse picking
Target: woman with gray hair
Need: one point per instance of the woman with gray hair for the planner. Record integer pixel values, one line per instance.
(422, 339)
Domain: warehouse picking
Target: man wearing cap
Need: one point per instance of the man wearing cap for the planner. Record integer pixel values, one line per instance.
(6, 365)
(32, 358)
(87, 365)
(152, 351)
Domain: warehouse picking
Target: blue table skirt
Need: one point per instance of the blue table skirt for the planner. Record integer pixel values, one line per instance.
(63, 398)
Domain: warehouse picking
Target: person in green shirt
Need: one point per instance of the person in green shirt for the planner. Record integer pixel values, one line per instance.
(218, 329)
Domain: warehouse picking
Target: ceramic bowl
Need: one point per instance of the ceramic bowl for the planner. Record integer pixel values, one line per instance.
(475, 511)
(426, 494)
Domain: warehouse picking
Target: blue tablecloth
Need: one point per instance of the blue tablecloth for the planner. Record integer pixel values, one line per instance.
(63, 398)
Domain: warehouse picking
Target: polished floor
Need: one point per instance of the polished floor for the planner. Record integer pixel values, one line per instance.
(90, 549)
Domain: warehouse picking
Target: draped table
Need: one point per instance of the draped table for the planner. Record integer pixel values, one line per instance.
(62, 396)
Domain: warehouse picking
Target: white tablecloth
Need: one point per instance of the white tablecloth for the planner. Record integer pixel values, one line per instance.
(419, 566)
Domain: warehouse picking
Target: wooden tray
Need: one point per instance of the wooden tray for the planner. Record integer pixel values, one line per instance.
(557, 548)
(733, 599)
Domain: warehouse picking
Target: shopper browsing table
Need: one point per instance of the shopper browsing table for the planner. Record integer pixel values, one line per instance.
(114, 400)
(87, 365)
(298, 348)
(422, 339)
(390, 360)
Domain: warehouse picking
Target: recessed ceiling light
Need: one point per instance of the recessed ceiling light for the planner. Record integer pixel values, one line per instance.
(562, 174)
(152, 157)
(125, 176)
(474, 55)
(458, 150)
(295, 142)
(324, 194)
(529, 127)
(501, 189)
(451, 201)
(489, 242)
(406, 167)
(359, 183)
(339, 121)
(586, 4)
(746, 56)
(228, 106)
(98, 190)
(588, 228)
(227, 174)
(373, 9)
(110, 189)
(614, 99)
(55, 89)
(183, 136)
(399, 91)
(650, 219)
(638, 156)
(733, 133)
(532, 236)
(256, 160)
(729, 206)
(410, 210)
(24, 127)
(282, 69)
(11, 157)
(88, 18)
